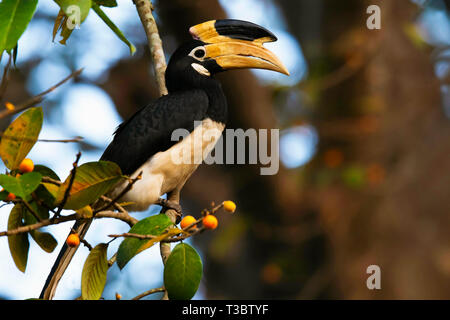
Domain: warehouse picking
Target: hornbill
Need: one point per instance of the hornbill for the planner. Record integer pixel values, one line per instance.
(144, 144)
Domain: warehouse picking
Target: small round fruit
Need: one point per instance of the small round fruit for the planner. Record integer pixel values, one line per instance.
(26, 165)
(10, 197)
(73, 240)
(229, 206)
(210, 222)
(187, 221)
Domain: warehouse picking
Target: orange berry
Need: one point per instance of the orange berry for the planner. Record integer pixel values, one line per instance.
(229, 206)
(210, 222)
(26, 165)
(118, 296)
(73, 240)
(187, 221)
(9, 106)
(10, 197)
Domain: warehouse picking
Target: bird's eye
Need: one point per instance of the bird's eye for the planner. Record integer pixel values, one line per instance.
(199, 53)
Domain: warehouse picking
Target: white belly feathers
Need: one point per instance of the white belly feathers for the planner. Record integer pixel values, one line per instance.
(167, 171)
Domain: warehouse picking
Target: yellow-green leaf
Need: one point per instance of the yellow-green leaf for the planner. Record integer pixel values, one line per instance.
(70, 16)
(167, 234)
(154, 225)
(92, 180)
(18, 244)
(45, 240)
(20, 137)
(93, 277)
(85, 212)
(77, 10)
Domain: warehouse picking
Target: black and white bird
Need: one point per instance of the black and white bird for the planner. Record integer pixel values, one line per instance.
(196, 103)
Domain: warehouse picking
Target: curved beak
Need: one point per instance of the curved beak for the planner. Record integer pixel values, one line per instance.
(236, 44)
(240, 55)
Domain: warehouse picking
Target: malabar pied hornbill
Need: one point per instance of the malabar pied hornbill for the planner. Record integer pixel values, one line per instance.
(143, 143)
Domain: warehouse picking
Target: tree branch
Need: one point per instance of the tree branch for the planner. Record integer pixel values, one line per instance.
(38, 225)
(149, 292)
(69, 187)
(144, 9)
(37, 99)
(57, 220)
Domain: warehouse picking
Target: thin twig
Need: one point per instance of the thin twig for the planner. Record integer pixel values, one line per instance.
(112, 260)
(124, 216)
(57, 220)
(86, 244)
(149, 292)
(184, 237)
(133, 235)
(52, 181)
(76, 139)
(38, 98)
(69, 187)
(29, 208)
(39, 225)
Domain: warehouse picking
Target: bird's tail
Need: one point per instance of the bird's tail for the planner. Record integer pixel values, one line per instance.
(63, 260)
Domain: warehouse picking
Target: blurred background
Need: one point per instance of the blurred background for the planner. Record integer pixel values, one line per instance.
(364, 123)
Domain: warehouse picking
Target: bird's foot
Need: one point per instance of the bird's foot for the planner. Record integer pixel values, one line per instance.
(173, 205)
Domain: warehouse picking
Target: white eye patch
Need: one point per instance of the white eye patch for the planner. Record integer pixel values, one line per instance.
(198, 53)
(201, 69)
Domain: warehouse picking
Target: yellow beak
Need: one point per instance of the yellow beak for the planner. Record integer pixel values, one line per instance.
(239, 49)
(244, 54)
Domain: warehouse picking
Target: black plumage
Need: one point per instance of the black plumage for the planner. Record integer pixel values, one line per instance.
(192, 97)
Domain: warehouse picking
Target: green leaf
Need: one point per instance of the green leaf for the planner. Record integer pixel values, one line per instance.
(93, 277)
(106, 3)
(22, 186)
(18, 244)
(182, 272)
(20, 137)
(154, 225)
(14, 18)
(44, 239)
(46, 172)
(40, 211)
(92, 180)
(70, 17)
(113, 27)
(47, 192)
(3, 195)
(85, 212)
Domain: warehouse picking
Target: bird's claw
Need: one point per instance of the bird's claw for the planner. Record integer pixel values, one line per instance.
(172, 205)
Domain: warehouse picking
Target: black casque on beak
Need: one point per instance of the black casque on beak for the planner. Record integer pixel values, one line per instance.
(236, 44)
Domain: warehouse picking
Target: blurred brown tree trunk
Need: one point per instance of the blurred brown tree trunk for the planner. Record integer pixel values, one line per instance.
(387, 119)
